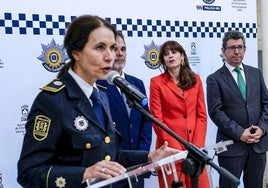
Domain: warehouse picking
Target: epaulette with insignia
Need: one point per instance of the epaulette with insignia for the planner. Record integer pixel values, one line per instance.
(101, 87)
(54, 86)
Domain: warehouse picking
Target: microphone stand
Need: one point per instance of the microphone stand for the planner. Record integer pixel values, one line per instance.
(194, 163)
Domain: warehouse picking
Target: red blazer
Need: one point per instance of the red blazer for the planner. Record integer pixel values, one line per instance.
(184, 113)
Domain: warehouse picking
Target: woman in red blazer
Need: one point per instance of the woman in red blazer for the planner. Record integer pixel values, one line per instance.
(177, 100)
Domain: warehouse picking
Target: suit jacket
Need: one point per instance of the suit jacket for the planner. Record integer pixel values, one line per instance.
(185, 114)
(232, 114)
(63, 137)
(135, 129)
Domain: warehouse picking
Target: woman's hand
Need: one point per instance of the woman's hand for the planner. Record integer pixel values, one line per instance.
(162, 152)
(103, 170)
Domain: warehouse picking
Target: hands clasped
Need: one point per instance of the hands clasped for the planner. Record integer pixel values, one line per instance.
(252, 134)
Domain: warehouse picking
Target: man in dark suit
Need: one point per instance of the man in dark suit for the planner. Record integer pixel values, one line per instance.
(135, 129)
(240, 115)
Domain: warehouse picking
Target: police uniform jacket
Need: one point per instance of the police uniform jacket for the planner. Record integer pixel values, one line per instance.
(63, 138)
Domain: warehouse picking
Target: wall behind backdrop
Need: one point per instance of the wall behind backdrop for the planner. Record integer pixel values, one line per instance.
(31, 50)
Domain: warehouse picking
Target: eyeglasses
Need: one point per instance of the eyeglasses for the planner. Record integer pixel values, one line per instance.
(233, 48)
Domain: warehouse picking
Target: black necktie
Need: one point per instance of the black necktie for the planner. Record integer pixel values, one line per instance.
(97, 106)
(241, 82)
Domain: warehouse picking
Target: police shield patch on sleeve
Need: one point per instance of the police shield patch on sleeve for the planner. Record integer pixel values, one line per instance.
(41, 127)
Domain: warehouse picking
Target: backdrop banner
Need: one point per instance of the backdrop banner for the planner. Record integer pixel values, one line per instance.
(31, 51)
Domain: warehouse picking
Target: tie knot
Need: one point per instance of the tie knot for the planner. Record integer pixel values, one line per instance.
(95, 95)
(237, 69)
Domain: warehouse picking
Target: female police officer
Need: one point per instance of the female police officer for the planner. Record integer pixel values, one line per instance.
(64, 142)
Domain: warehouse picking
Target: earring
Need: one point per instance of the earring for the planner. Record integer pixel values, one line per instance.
(182, 62)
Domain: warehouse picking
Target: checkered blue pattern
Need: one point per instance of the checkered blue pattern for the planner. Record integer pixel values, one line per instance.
(36, 24)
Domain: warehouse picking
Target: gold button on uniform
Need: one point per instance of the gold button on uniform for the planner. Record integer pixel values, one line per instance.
(88, 145)
(107, 158)
(107, 140)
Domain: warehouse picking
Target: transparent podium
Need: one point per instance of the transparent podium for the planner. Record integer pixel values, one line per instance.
(170, 161)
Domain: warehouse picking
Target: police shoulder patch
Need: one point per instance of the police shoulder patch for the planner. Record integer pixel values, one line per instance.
(54, 86)
(41, 127)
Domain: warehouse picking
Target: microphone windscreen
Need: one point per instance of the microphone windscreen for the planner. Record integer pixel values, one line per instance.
(111, 75)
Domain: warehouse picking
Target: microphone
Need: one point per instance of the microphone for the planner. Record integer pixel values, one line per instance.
(132, 92)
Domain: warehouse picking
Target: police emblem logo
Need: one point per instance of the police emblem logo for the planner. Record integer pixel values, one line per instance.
(81, 123)
(60, 182)
(193, 48)
(151, 55)
(53, 56)
(24, 112)
(41, 127)
(208, 1)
